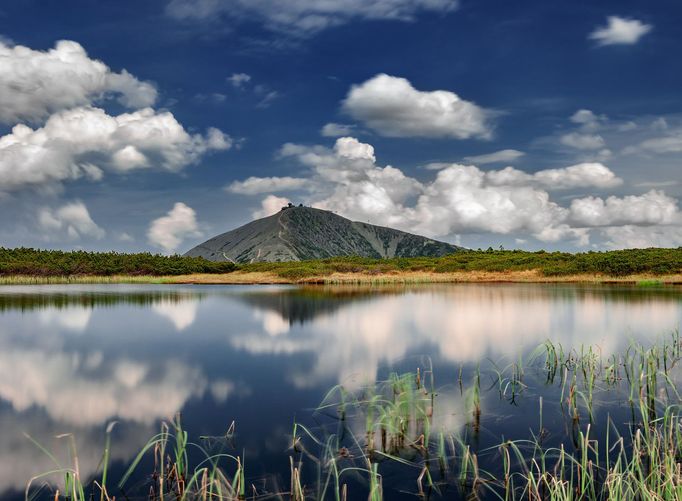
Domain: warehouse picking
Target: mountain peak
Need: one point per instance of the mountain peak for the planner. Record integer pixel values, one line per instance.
(297, 233)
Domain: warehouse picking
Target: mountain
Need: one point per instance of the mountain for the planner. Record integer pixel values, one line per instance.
(298, 233)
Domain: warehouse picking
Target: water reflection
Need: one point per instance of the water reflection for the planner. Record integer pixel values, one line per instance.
(304, 304)
(458, 324)
(181, 312)
(73, 358)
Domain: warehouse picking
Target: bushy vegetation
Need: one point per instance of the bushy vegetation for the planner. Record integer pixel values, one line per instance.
(51, 263)
(43, 263)
(620, 263)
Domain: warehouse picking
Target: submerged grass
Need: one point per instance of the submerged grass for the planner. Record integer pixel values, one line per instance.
(372, 439)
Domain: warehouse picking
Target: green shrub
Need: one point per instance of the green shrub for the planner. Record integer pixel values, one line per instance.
(612, 263)
(35, 262)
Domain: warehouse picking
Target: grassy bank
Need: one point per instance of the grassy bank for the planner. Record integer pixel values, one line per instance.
(397, 277)
(643, 266)
(352, 278)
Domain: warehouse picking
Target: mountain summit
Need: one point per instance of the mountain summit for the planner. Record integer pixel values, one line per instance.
(298, 233)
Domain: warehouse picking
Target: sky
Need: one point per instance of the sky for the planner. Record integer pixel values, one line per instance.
(155, 125)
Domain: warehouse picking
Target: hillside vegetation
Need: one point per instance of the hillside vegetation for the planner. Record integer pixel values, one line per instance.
(46, 263)
(620, 263)
(52, 263)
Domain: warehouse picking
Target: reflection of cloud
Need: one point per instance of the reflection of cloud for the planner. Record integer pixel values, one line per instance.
(73, 318)
(182, 313)
(20, 459)
(60, 384)
(53, 382)
(273, 323)
(221, 389)
(464, 324)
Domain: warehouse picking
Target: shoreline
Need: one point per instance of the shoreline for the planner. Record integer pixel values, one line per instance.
(353, 278)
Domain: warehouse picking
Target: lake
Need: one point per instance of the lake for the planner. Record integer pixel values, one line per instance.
(75, 358)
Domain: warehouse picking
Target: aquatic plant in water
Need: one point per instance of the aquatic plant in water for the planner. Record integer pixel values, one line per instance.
(406, 434)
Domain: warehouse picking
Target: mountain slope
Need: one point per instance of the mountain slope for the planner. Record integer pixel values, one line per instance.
(299, 233)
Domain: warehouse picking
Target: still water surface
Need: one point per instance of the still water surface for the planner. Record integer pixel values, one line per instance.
(75, 358)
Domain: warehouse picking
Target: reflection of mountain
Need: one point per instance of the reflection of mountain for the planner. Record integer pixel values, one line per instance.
(304, 304)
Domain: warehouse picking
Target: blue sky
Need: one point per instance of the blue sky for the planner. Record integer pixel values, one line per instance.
(155, 125)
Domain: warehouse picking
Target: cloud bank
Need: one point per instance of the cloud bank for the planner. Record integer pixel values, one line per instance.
(466, 199)
(83, 141)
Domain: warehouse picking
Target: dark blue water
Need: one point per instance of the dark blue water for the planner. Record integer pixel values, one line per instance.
(75, 358)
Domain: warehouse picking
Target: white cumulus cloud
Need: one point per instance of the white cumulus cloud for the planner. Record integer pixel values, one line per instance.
(34, 84)
(82, 141)
(169, 231)
(392, 107)
(270, 205)
(620, 31)
(631, 236)
(73, 219)
(653, 207)
(464, 199)
(584, 175)
(460, 199)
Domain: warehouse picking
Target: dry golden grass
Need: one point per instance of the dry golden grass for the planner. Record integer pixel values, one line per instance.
(234, 278)
(396, 277)
(413, 277)
(81, 279)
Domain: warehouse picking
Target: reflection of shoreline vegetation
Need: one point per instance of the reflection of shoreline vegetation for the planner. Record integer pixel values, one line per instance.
(33, 301)
(646, 266)
(367, 439)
